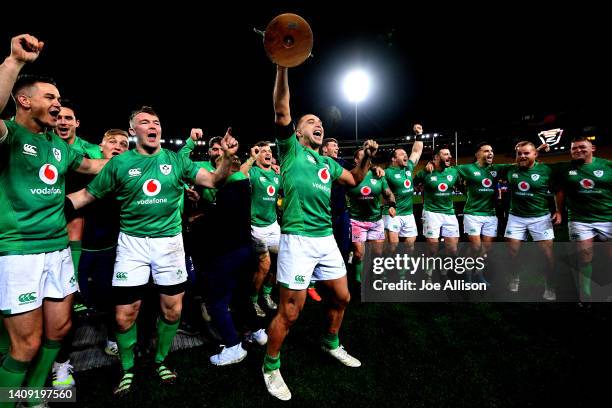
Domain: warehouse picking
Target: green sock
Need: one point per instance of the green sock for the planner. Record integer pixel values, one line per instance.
(311, 285)
(586, 271)
(267, 289)
(5, 340)
(75, 250)
(358, 269)
(126, 341)
(331, 341)
(165, 333)
(12, 374)
(41, 366)
(271, 363)
(254, 297)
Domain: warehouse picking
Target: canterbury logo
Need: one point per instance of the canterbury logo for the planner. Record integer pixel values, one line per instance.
(300, 278)
(26, 297)
(134, 172)
(29, 149)
(121, 276)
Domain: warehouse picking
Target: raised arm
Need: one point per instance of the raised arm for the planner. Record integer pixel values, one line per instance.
(195, 135)
(417, 147)
(229, 145)
(282, 113)
(355, 176)
(24, 49)
(248, 163)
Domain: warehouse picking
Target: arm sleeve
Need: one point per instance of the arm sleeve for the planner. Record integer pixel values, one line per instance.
(104, 183)
(287, 143)
(189, 168)
(186, 150)
(74, 158)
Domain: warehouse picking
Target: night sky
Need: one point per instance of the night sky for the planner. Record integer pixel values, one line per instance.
(452, 68)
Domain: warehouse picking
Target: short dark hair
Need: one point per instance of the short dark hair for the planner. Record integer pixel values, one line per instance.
(328, 140)
(142, 109)
(214, 140)
(437, 150)
(262, 143)
(70, 104)
(27, 80)
(481, 144)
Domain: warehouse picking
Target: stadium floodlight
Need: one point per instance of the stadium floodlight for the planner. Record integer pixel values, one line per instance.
(356, 87)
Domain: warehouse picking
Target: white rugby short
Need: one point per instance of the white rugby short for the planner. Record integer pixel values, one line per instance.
(302, 259)
(25, 280)
(138, 258)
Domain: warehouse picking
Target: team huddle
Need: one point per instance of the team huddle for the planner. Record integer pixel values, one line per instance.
(121, 223)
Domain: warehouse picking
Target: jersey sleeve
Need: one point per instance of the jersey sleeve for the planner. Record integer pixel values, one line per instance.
(335, 169)
(74, 158)
(186, 150)
(93, 151)
(502, 168)
(287, 143)
(189, 169)
(4, 138)
(420, 176)
(383, 180)
(462, 169)
(105, 182)
(10, 130)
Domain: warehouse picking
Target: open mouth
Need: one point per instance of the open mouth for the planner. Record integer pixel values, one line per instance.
(63, 130)
(54, 112)
(151, 137)
(317, 133)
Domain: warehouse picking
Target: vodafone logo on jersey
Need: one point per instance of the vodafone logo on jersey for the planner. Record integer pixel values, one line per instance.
(48, 174)
(487, 182)
(151, 187)
(524, 186)
(270, 190)
(407, 183)
(443, 187)
(366, 191)
(587, 183)
(324, 175)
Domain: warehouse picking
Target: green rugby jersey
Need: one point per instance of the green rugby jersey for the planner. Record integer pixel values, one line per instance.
(84, 148)
(399, 180)
(364, 199)
(208, 194)
(588, 189)
(529, 190)
(307, 178)
(150, 189)
(480, 182)
(438, 189)
(32, 174)
(264, 192)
